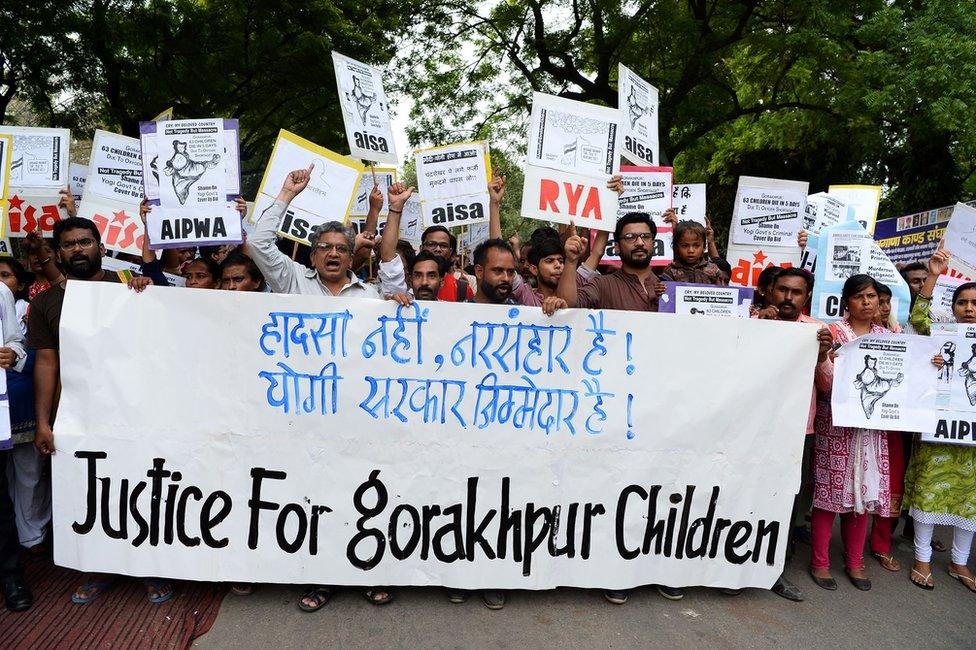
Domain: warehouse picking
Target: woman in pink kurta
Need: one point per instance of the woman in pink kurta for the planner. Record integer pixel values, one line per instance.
(850, 465)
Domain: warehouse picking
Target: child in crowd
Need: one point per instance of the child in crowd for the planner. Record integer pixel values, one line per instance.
(885, 318)
(691, 264)
(202, 273)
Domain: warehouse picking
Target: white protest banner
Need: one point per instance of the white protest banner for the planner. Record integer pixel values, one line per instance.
(638, 103)
(199, 163)
(574, 137)
(705, 300)
(40, 157)
(372, 396)
(383, 177)
(452, 181)
(113, 192)
(572, 153)
(846, 249)
(77, 174)
(768, 211)
(6, 154)
(885, 381)
(960, 236)
(330, 192)
(365, 111)
(688, 201)
(862, 199)
(823, 210)
(749, 261)
(646, 189)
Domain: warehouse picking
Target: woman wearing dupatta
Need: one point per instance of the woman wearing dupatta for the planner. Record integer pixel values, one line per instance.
(851, 465)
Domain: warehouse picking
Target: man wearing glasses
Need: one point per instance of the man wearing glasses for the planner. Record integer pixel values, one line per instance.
(633, 286)
(438, 241)
(333, 245)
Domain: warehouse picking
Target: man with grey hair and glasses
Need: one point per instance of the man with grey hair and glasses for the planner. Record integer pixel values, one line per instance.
(333, 247)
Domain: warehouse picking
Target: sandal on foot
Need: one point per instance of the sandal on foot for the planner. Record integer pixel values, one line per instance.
(967, 582)
(242, 589)
(319, 595)
(158, 590)
(93, 589)
(924, 584)
(888, 561)
(824, 583)
(373, 596)
(861, 583)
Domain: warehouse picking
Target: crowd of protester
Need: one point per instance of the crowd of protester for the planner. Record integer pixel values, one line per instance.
(871, 478)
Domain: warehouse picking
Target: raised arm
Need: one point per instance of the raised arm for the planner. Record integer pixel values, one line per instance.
(572, 249)
(278, 269)
(366, 237)
(921, 316)
(496, 190)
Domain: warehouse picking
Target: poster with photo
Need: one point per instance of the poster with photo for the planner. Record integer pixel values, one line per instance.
(365, 110)
(638, 104)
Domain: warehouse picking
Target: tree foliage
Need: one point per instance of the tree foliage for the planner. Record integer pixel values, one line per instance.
(830, 91)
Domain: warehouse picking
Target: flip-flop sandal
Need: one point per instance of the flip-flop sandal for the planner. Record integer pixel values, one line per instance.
(967, 582)
(94, 589)
(924, 584)
(370, 595)
(242, 589)
(888, 561)
(163, 588)
(319, 595)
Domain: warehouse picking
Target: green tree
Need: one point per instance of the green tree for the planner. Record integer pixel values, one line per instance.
(830, 91)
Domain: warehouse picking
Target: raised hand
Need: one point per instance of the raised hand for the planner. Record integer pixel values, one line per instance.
(68, 202)
(375, 199)
(574, 247)
(939, 263)
(496, 189)
(616, 183)
(802, 238)
(241, 206)
(297, 181)
(398, 195)
(670, 217)
(144, 210)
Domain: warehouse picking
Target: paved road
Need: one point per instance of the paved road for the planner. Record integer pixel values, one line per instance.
(893, 614)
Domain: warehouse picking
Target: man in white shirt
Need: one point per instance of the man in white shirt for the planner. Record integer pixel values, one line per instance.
(333, 247)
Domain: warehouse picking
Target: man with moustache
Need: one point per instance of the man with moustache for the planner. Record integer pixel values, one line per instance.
(427, 275)
(79, 248)
(787, 296)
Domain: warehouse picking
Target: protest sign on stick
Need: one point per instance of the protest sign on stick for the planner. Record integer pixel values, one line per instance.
(373, 395)
(113, 191)
(191, 176)
(638, 104)
(331, 189)
(452, 181)
(38, 171)
(768, 211)
(383, 177)
(365, 111)
(862, 199)
(573, 151)
(688, 201)
(846, 249)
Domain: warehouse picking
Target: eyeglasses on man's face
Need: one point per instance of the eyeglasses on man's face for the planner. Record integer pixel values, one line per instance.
(84, 243)
(341, 249)
(633, 236)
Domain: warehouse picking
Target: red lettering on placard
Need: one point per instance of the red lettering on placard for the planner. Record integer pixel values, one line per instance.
(548, 193)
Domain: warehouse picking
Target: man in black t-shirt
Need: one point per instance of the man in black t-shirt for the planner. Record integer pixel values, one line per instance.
(79, 249)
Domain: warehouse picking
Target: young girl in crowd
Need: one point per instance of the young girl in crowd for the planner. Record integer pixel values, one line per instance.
(885, 318)
(26, 472)
(850, 475)
(940, 486)
(239, 273)
(691, 264)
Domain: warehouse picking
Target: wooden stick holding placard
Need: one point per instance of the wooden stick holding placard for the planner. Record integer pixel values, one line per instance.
(294, 252)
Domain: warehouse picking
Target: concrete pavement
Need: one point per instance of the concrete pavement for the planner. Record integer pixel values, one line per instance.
(893, 614)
